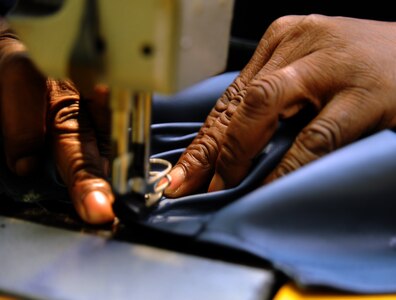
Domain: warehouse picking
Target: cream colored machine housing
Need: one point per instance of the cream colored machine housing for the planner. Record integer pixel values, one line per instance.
(137, 47)
(151, 45)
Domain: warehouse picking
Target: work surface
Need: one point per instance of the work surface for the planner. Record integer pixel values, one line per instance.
(49, 250)
(62, 258)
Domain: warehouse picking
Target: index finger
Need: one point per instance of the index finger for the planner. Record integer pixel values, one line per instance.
(269, 97)
(197, 163)
(77, 154)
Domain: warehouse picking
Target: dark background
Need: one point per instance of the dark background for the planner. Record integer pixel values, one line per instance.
(252, 17)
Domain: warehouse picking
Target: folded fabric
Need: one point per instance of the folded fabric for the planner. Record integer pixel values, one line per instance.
(331, 223)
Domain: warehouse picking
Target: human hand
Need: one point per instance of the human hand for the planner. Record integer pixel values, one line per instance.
(22, 104)
(35, 110)
(344, 67)
(79, 132)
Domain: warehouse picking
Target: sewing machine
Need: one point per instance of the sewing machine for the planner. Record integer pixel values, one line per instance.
(136, 48)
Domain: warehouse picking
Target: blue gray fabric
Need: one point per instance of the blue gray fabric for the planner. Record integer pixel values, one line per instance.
(331, 223)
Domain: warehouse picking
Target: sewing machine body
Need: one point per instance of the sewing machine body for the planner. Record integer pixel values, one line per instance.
(152, 45)
(136, 48)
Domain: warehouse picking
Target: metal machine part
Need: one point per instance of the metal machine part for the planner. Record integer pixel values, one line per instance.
(137, 48)
(133, 170)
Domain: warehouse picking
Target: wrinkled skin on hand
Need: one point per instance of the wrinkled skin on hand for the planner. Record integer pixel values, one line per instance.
(344, 67)
(34, 109)
(79, 132)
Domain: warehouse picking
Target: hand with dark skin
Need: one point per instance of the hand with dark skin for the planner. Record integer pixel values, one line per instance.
(34, 109)
(344, 67)
(79, 133)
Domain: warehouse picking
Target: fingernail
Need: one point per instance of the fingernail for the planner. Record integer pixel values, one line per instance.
(97, 208)
(217, 184)
(25, 165)
(177, 177)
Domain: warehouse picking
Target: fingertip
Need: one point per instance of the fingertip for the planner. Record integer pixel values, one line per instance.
(97, 208)
(177, 176)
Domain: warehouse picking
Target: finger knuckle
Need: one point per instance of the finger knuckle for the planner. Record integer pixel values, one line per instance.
(229, 154)
(260, 94)
(65, 113)
(234, 94)
(316, 23)
(280, 23)
(239, 97)
(293, 23)
(202, 153)
(313, 20)
(221, 104)
(234, 88)
(224, 118)
(61, 89)
(320, 138)
(65, 117)
(288, 164)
